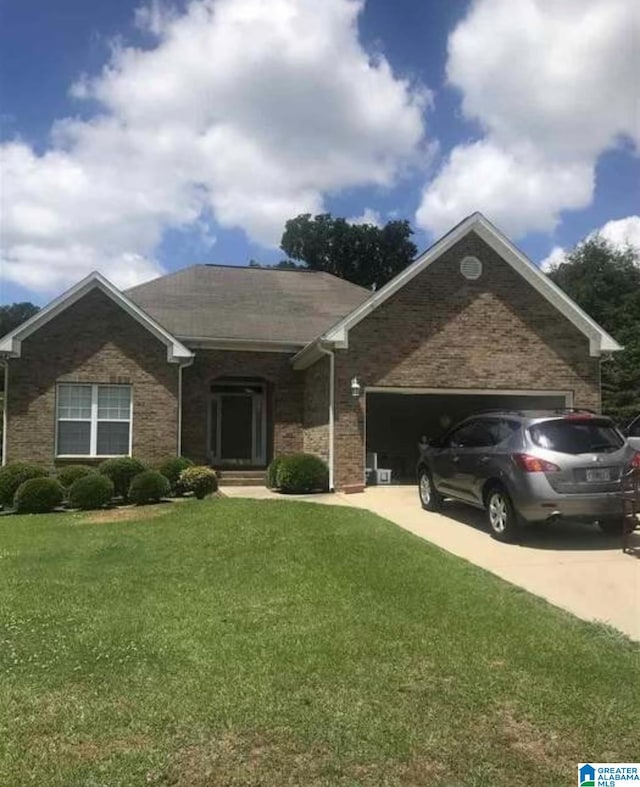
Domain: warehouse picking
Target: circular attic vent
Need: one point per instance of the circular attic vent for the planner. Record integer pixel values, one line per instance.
(471, 268)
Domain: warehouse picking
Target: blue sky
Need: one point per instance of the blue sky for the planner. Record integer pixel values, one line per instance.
(142, 138)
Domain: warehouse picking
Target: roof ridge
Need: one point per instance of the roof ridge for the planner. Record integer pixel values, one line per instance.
(256, 267)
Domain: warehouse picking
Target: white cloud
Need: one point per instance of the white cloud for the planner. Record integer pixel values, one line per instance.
(368, 216)
(551, 85)
(246, 109)
(517, 189)
(555, 257)
(623, 232)
(620, 233)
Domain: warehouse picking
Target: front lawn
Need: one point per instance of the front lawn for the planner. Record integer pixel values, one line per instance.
(243, 643)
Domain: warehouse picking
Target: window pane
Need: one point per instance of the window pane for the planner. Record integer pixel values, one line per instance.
(74, 401)
(114, 402)
(591, 436)
(74, 438)
(113, 438)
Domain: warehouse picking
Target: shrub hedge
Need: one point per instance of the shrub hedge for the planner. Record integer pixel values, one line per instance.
(13, 475)
(272, 472)
(70, 473)
(171, 469)
(302, 473)
(38, 496)
(121, 470)
(150, 486)
(91, 491)
(200, 480)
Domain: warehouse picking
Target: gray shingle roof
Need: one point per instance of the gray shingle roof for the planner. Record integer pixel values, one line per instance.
(226, 302)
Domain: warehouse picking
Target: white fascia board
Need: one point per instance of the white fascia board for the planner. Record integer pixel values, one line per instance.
(10, 344)
(339, 332)
(599, 340)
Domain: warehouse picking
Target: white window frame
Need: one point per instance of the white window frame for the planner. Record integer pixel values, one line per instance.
(94, 421)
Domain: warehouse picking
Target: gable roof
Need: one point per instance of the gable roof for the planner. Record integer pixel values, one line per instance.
(11, 343)
(338, 335)
(226, 306)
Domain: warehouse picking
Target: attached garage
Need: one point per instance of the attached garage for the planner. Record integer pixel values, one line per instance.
(396, 418)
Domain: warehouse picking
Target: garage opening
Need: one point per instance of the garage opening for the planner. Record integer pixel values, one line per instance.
(397, 418)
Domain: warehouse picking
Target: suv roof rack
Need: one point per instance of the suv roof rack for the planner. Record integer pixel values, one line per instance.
(575, 410)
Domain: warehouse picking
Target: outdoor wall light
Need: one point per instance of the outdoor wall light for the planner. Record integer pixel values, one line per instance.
(355, 387)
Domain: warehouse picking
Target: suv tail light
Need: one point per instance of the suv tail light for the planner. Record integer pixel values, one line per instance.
(533, 464)
(635, 461)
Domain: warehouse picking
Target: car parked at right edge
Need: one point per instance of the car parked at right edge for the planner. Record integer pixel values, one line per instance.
(632, 433)
(530, 467)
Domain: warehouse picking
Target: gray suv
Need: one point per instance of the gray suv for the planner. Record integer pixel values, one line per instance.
(632, 433)
(530, 466)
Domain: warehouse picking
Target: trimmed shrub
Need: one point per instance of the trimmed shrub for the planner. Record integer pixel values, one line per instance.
(121, 470)
(272, 472)
(38, 496)
(171, 469)
(300, 473)
(67, 475)
(200, 480)
(91, 491)
(149, 486)
(13, 475)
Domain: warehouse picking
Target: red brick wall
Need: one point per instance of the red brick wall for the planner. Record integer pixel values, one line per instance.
(284, 406)
(316, 409)
(93, 341)
(443, 331)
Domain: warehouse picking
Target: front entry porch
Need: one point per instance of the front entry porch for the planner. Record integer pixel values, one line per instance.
(237, 424)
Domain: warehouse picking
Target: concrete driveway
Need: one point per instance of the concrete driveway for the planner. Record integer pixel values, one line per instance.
(572, 566)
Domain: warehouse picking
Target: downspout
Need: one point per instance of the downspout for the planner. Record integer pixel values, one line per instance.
(180, 368)
(5, 364)
(332, 372)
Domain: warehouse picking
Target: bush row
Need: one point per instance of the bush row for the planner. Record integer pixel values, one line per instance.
(298, 474)
(28, 488)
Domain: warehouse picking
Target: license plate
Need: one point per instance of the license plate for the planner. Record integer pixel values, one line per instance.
(599, 474)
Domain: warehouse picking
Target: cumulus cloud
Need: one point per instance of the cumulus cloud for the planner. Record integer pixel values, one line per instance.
(623, 232)
(247, 110)
(620, 233)
(551, 86)
(368, 216)
(517, 188)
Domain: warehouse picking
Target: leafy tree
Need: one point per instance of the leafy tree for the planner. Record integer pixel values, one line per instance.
(15, 314)
(605, 282)
(361, 253)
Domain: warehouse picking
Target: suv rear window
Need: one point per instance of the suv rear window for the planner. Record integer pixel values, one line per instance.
(569, 436)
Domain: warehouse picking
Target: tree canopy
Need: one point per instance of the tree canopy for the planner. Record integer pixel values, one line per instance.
(361, 253)
(605, 282)
(14, 314)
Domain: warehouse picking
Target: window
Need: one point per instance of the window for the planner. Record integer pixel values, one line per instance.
(634, 428)
(472, 434)
(570, 436)
(501, 429)
(93, 420)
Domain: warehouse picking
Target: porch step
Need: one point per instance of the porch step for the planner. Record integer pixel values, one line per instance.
(242, 477)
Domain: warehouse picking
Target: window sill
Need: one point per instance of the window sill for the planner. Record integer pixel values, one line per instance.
(91, 456)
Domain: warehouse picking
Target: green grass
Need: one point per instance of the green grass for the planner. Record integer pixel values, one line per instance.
(248, 643)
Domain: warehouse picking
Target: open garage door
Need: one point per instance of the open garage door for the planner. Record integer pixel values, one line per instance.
(397, 418)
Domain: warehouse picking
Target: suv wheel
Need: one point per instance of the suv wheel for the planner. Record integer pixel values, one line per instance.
(501, 515)
(430, 498)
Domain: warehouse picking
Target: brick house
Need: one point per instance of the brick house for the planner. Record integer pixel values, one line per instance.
(233, 366)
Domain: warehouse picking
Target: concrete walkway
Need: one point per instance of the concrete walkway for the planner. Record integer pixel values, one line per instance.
(572, 566)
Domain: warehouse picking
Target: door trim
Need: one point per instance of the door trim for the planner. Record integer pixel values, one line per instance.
(258, 424)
